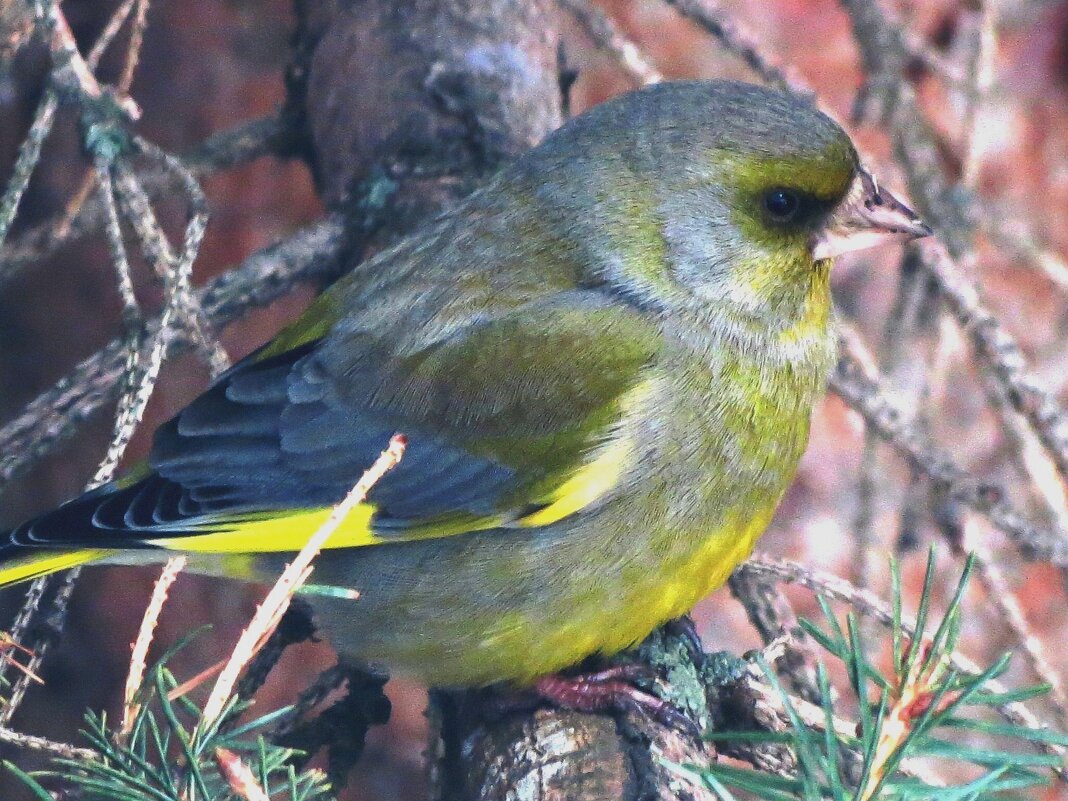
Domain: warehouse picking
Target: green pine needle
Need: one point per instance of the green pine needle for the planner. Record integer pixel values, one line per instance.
(161, 761)
(932, 707)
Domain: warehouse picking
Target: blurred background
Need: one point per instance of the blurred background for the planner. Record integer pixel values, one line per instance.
(210, 64)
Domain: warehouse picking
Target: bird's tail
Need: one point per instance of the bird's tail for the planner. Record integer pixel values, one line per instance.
(57, 540)
(18, 563)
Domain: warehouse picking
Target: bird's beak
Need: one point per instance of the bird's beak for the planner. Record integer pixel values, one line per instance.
(868, 216)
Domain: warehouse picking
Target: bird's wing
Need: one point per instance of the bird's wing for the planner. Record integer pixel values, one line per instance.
(511, 422)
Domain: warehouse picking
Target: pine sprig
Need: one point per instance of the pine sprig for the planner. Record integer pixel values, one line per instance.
(924, 709)
(159, 759)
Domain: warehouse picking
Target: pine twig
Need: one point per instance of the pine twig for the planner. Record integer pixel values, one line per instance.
(869, 605)
(239, 776)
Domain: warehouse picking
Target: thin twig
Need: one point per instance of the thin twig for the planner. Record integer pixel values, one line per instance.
(69, 65)
(310, 697)
(44, 745)
(919, 49)
(55, 415)
(107, 36)
(982, 74)
(998, 350)
(138, 383)
(864, 394)
(139, 654)
(607, 35)
(1016, 239)
(111, 30)
(741, 43)
(1001, 595)
(909, 318)
(133, 48)
(187, 308)
(270, 611)
(774, 619)
(1031, 459)
(29, 154)
(246, 142)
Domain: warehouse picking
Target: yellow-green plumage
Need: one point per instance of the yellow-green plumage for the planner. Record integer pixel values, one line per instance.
(605, 363)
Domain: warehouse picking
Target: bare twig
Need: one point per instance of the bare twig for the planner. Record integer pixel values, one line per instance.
(741, 43)
(114, 24)
(982, 74)
(176, 269)
(773, 617)
(29, 154)
(55, 415)
(607, 35)
(44, 745)
(70, 67)
(998, 350)
(921, 50)
(296, 573)
(138, 382)
(133, 48)
(244, 143)
(111, 30)
(1001, 595)
(139, 654)
(909, 319)
(1018, 241)
(864, 394)
(1031, 459)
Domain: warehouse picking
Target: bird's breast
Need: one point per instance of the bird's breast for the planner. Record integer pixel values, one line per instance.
(721, 434)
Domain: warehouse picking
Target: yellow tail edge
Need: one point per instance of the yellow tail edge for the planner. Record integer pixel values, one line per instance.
(41, 563)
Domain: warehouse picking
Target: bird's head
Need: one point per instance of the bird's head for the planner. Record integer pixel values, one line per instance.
(719, 195)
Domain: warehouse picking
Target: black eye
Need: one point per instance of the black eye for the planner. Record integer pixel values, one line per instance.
(782, 204)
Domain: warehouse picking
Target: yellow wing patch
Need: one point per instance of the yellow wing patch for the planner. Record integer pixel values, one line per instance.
(588, 483)
(286, 530)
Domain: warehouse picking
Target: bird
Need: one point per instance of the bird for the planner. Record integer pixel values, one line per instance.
(605, 362)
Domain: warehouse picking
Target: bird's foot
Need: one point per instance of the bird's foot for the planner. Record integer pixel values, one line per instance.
(613, 689)
(686, 630)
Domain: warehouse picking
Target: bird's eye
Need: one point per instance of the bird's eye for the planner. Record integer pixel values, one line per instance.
(782, 204)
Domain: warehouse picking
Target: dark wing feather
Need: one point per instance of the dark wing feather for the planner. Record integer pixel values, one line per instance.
(490, 414)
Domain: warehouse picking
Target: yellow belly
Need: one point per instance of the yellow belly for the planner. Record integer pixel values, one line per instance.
(451, 632)
(665, 592)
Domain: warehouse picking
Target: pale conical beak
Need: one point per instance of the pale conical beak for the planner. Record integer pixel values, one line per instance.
(868, 216)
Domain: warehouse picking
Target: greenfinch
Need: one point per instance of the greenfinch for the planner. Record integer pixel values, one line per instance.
(604, 361)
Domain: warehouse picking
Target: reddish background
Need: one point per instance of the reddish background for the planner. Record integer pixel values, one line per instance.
(209, 65)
